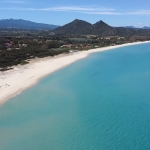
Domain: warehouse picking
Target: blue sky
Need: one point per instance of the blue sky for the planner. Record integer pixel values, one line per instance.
(60, 12)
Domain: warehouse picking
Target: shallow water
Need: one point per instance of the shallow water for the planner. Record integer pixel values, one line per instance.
(101, 102)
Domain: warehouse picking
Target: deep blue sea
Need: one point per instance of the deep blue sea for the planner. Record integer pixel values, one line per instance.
(101, 102)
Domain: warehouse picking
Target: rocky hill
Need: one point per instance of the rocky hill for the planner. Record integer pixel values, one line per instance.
(80, 27)
(75, 27)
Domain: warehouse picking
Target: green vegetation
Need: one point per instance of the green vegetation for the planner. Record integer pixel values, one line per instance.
(18, 46)
(23, 62)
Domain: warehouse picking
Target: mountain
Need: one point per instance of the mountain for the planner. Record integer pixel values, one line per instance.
(80, 27)
(75, 27)
(132, 27)
(132, 31)
(101, 28)
(145, 27)
(24, 24)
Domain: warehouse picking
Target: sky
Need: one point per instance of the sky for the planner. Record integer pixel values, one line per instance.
(60, 12)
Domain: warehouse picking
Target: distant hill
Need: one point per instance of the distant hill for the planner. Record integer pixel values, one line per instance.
(24, 24)
(132, 31)
(132, 27)
(75, 27)
(101, 28)
(145, 27)
(80, 27)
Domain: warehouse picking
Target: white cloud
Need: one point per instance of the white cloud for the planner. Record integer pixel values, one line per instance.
(78, 9)
(103, 13)
(82, 9)
(139, 12)
(13, 1)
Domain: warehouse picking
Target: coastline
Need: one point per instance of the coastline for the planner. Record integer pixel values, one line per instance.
(13, 82)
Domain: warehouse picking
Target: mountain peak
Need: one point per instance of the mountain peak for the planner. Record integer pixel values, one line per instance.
(100, 23)
(78, 21)
(102, 28)
(75, 27)
(82, 27)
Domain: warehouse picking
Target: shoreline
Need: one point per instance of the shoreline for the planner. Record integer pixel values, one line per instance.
(13, 82)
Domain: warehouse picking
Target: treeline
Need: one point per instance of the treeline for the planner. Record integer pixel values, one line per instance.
(82, 41)
(18, 46)
(18, 56)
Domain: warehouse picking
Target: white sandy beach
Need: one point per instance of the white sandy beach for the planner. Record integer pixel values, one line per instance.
(16, 80)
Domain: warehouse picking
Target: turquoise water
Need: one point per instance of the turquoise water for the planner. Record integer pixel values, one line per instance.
(101, 102)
